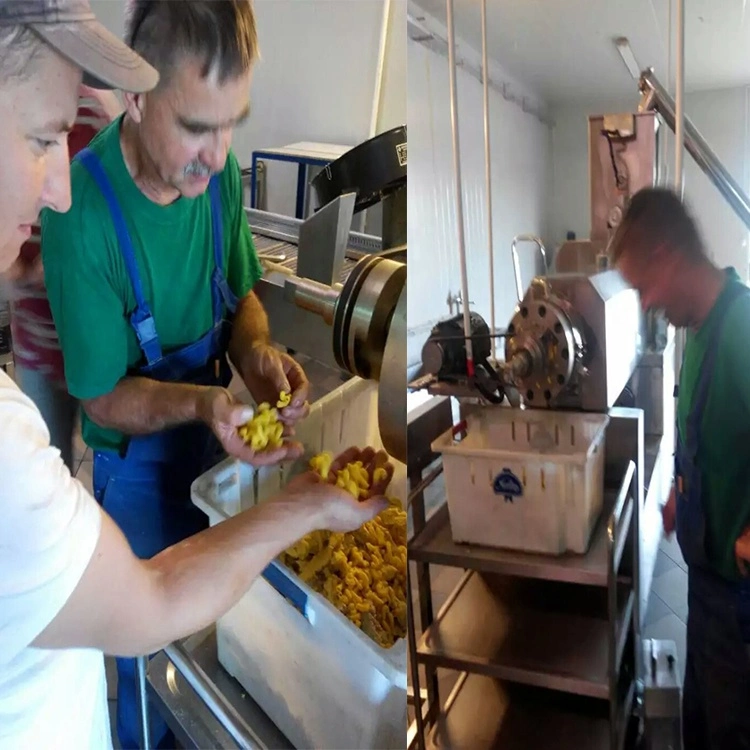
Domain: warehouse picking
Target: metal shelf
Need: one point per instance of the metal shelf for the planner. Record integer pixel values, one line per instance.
(484, 714)
(533, 632)
(435, 545)
(546, 643)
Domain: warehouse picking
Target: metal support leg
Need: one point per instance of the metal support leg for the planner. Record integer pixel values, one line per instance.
(254, 183)
(414, 666)
(141, 665)
(424, 585)
(301, 190)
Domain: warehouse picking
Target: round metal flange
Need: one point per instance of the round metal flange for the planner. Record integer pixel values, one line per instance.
(342, 315)
(541, 350)
(363, 315)
(371, 316)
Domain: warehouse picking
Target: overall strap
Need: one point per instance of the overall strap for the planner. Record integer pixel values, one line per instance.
(221, 290)
(141, 318)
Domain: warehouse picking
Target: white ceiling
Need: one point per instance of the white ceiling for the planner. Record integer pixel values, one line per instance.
(563, 49)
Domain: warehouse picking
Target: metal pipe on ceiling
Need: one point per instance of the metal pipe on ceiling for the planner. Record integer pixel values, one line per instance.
(655, 97)
(679, 146)
(679, 130)
(459, 190)
(488, 174)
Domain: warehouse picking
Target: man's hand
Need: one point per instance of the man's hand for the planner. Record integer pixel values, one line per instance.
(224, 415)
(742, 551)
(335, 508)
(669, 513)
(371, 461)
(267, 372)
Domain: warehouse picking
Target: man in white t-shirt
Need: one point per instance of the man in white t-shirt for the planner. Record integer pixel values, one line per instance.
(70, 587)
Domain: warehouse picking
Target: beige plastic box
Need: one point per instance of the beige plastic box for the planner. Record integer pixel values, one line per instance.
(527, 480)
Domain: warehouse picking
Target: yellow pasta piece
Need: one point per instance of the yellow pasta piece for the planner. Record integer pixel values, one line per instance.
(379, 475)
(363, 573)
(264, 430)
(321, 464)
(284, 399)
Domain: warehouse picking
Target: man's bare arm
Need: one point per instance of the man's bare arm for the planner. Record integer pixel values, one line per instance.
(126, 606)
(107, 100)
(141, 406)
(250, 327)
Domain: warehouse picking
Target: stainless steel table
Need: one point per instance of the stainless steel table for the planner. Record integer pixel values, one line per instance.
(202, 704)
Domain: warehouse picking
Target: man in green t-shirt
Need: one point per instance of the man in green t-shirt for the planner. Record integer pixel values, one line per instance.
(150, 278)
(659, 250)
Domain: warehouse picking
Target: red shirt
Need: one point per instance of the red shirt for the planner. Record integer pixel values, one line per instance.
(35, 342)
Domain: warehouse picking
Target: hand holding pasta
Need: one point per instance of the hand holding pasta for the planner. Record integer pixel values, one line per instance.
(362, 573)
(258, 441)
(264, 430)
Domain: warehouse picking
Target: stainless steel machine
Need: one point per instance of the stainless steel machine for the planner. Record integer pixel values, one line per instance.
(573, 343)
(339, 296)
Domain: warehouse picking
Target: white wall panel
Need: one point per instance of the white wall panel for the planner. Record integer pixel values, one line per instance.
(521, 164)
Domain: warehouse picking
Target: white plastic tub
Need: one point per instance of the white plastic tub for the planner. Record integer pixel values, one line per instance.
(319, 678)
(528, 480)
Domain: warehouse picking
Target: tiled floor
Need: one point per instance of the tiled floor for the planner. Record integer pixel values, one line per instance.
(666, 616)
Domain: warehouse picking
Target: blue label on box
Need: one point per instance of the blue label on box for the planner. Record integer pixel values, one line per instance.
(508, 485)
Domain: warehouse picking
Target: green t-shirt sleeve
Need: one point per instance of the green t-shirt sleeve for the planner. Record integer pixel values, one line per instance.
(82, 286)
(735, 342)
(243, 267)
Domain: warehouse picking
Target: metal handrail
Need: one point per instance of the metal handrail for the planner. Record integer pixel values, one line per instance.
(656, 98)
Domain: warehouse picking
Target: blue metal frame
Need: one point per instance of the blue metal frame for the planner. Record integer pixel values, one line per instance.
(303, 163)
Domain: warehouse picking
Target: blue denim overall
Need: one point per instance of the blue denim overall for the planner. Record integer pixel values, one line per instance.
(147, 490)
(716, 692)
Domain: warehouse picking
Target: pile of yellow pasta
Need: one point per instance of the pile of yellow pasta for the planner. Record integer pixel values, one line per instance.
(264, 431)
(362, 573)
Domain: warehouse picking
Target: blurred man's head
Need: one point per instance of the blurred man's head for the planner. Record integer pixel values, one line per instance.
(204, 51)
(45, 45)
(657, 248)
